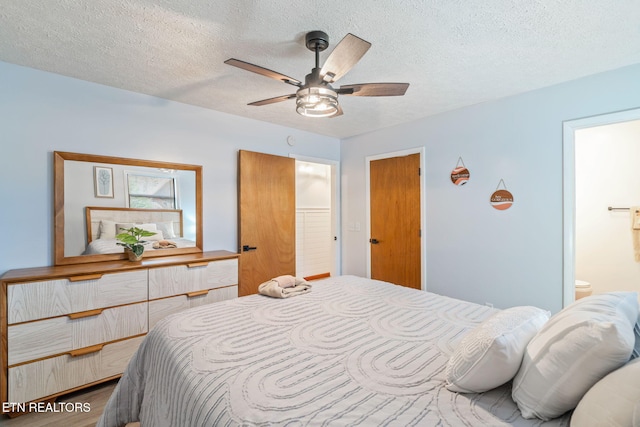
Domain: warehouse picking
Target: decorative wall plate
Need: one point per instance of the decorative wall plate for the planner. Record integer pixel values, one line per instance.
(501, 199)
(460, 175)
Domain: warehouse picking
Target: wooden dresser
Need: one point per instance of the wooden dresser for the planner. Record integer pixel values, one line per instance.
(68, 327)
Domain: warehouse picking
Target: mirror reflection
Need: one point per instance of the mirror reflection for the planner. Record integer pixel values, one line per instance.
(104, 195)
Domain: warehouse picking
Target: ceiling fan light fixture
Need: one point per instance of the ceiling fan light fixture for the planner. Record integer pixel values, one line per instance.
(316, 102)
(316, 97)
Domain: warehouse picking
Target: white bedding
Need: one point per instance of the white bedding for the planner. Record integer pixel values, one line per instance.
(110, 246)
(351, 352)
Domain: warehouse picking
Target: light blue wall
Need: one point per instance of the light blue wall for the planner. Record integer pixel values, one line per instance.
(42, 112)
(475, 252)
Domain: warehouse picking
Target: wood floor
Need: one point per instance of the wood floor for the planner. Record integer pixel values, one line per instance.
(96, 396)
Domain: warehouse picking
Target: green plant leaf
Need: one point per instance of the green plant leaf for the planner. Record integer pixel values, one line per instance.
(127, 238)
(132, 236)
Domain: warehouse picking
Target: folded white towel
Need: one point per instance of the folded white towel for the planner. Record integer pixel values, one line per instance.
(286, 281)
(273, 288)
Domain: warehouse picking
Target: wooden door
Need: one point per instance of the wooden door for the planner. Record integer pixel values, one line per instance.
(266, 226)
(395, 220)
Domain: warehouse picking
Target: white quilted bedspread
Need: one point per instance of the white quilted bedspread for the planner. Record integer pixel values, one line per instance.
(351, 352)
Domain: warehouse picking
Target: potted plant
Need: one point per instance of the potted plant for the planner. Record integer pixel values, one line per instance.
(132, 241)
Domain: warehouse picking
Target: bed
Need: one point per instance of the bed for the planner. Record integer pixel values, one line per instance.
(104, 223)
(353, 351)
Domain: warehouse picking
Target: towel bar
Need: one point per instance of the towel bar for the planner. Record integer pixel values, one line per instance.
(618, 209)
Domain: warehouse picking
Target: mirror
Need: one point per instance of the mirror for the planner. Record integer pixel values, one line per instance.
(95, 196)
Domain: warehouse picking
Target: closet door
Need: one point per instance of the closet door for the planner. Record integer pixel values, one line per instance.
(266, 208)
(395, 220)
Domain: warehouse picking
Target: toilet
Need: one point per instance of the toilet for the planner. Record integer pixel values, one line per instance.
(583, 289)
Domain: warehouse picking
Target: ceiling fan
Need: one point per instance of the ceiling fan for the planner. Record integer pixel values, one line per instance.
(316, 97)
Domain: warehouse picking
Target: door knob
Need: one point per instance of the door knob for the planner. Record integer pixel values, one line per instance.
(374, 241)
(247, 248)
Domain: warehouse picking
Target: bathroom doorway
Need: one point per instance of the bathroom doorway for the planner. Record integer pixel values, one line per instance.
(601, 187)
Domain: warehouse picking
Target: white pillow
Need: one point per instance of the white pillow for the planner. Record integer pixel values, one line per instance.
(167, 229)
(490, 354)
(575, 349)
(614, 401)
(107, 229)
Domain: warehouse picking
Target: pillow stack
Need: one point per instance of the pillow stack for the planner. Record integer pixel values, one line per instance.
(578, 357)
(579, 346)
(110, 229)
(164, 230)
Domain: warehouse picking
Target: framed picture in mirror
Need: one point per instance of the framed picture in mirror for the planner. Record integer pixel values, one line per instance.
(103, 182)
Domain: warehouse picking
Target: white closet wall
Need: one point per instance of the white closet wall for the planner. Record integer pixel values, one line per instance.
(313, 219)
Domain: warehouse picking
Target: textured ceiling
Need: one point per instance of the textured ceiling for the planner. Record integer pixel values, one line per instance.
(453, 53)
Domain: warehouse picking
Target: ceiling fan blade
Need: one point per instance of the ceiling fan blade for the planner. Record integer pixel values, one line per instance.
(263, 71)
(273, 100)
(345, 55)
(374, 89)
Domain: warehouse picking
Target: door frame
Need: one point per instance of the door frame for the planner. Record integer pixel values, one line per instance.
(336, 225)
(423, 223)
(569, 128)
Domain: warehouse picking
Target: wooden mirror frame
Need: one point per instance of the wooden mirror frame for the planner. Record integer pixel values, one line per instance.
(59, 157)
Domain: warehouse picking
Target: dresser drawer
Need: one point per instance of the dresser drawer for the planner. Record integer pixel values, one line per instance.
(50, 376)
(183, 279)
(51, 298)
(161, 308)
(35, 340)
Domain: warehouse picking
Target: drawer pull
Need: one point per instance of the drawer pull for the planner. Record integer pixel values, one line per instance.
(85, 277)
(86, 350)
(198, 264)
(87, 313)
(197, 293)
